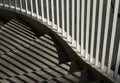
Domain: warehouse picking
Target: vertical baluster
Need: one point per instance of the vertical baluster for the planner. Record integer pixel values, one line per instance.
(105, 33)
(16, 4)
(36, 4)
(73, 22)
(47, 5)
(82, 26)
(87, 28)
(117, 63)
(21, 5)
(9, 3)
(99, 32)
(67, 17)
(78, 24)
(58, 24)
(3, 3)
(113, 35)
(93, 30)
(26, 4)
(42, 10)
(63, 24)
(31, 3)
(52, 6)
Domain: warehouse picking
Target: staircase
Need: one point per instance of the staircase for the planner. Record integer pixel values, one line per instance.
(53, 41)
(26, 56)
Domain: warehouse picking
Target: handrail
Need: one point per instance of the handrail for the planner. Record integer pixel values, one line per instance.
(84, 26)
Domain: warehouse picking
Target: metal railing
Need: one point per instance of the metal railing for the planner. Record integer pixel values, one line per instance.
(89, 26)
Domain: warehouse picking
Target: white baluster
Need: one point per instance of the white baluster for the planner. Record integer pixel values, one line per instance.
(99, 32)
(47, 5)
(42, 10)
(58, 24)
(3, 3)
(9, 3)
(93, 30)
(105, 33)
(113, 35)
(26, 4)
(52, 6)
(87, 28)
(16, 4)
(73, 22)
(36, 4)
(68, 21)
(21, 5)
(82, 26)
(31, 3)
(117, 63)
(78, 25)
(63, 24)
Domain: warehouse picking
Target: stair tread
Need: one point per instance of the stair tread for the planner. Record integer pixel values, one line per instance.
(8, 31)
(69, 78)
(18, 32)
(23, 30)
